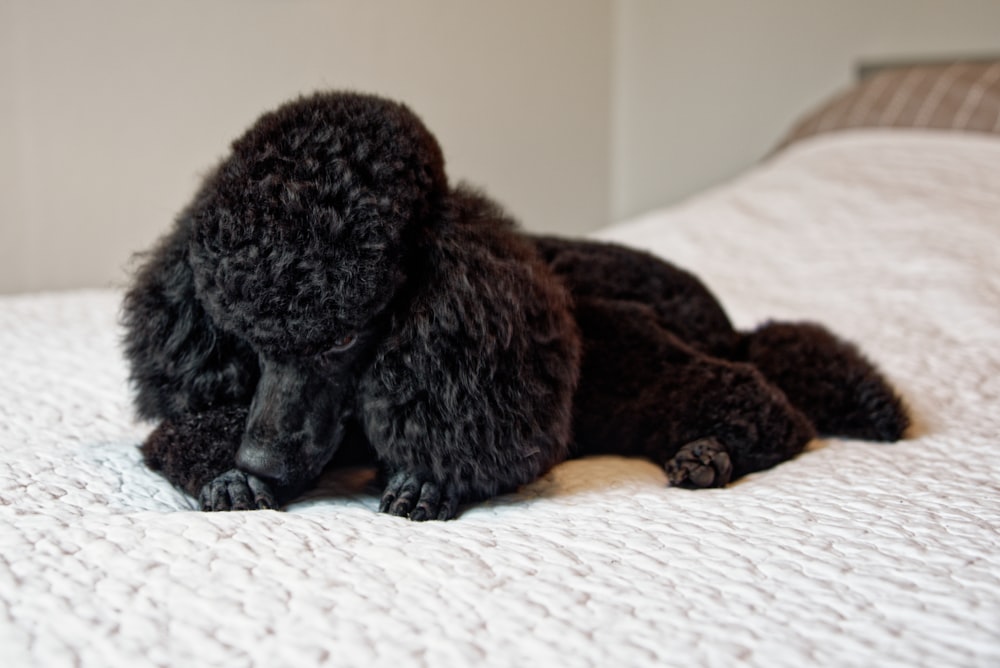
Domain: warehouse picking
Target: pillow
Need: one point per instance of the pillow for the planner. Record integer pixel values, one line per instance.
(958, 96)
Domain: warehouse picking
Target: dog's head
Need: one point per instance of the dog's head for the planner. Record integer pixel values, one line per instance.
(299, 236)
(300, 241)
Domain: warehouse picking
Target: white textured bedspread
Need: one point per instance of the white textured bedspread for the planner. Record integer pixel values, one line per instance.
(852, 554)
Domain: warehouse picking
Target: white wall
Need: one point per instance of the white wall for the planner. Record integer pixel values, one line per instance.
(704, 88)
(110, 109)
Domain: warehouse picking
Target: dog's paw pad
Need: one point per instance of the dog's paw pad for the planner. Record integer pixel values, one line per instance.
(416, 496)
(701, 463)
(236, 490)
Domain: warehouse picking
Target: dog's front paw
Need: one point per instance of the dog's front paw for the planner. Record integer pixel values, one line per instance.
(236, 490)
(415, 495)
(701, 463)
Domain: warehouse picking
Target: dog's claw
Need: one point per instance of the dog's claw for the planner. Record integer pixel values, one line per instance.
(414, 495)
(236, 490)
(701, 463)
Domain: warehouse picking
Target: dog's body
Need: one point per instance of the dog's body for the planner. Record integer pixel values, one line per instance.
(327, 292)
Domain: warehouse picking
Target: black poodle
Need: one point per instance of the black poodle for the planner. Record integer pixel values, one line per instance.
(328, 297)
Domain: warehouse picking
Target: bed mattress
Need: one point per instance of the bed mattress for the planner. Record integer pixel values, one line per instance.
(852, 554)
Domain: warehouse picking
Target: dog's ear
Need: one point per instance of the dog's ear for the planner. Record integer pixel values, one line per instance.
(180, 362)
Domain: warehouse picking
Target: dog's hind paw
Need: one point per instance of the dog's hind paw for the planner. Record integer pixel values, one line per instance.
(701, 463)
(415, 495)
(236, 490)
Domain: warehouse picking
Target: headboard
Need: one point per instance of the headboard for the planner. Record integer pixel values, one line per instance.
(961, 94)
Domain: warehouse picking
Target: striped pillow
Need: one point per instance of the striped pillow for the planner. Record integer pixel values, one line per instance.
(959, 96)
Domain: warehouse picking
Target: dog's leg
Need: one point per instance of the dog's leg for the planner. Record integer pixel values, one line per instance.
(193, 377)
(196, 452)
(644, 392)
(828, 379)
(416, 495)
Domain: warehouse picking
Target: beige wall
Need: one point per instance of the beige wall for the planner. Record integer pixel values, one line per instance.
(571, 112)
(704, 88)
(110, 109)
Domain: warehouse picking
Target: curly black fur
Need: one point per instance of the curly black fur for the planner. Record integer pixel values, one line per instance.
(328, 296)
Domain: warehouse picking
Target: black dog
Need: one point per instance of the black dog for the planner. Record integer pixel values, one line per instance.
(327, 296)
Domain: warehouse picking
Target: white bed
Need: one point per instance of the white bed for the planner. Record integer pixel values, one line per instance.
(852, 554)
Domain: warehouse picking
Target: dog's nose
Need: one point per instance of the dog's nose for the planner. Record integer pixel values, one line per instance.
(261, 462)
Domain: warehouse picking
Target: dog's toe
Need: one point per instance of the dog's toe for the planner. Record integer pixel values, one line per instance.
(701, 463)
(236, 490)
(414, 495)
